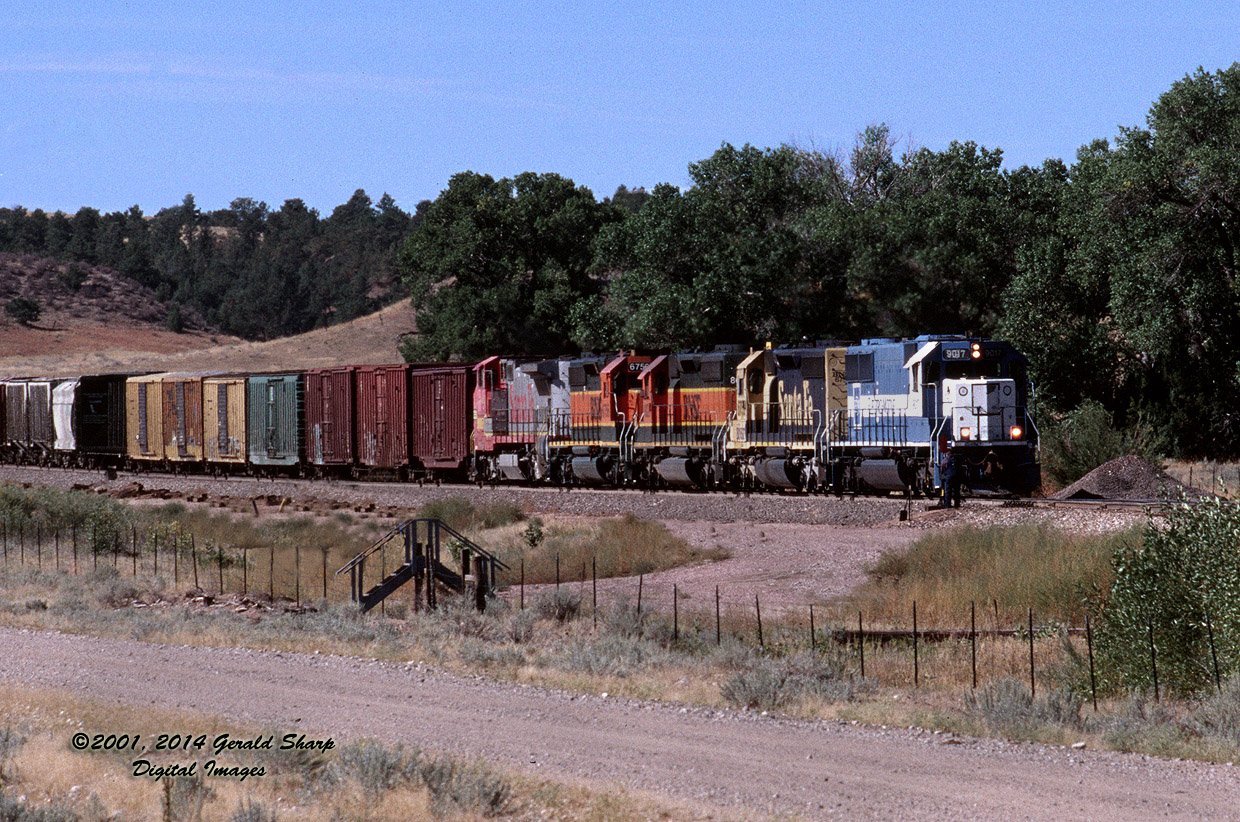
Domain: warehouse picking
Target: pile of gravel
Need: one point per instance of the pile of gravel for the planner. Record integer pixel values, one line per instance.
(1129, 477)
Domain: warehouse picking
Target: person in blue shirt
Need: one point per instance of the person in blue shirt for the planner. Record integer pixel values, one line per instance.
(949, 466)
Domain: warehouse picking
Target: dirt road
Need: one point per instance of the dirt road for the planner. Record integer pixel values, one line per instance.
(726, 759)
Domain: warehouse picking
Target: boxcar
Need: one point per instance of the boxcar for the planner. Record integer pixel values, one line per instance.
(441, 400)
(224, 421)
(144, 418)
(329, 417)
(275, 420)
(182, 409)
(98, 419)
(30, 428)
(382, 416)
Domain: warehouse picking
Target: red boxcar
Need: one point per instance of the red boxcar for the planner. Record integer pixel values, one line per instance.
(382, 418)
(442, 416)
(329, 416)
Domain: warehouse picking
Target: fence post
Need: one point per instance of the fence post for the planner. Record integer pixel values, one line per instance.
(640, 578)
(973, 639)
(1089, 645)
(861, 643)
(325, 550)
(1218, 682)
(271, 573)
(812, 644)
(522, 583)
(1032, 687)
(1153, 662)
(38, 544)
(758, 607)
(675, 613)
(916, 666)
(594, 588)
(718, 632)
(155, 551)
(133, 530)
(58, 550)
(219, 558)
(193, 555)
(557, 571)
(297, 571)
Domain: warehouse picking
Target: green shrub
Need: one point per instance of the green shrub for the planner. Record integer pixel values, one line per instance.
(559, 604)
(467, 786)
(251, 811)
(1087, 437)
(23, 310)
(16, 810)
(1180, 574)
(74, 276)
(1007, 704)
(375, 768)
(10, 743)
(1219, 715)
(771, 684)
(457, 512)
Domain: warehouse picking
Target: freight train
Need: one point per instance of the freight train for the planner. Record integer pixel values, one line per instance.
(870, 417)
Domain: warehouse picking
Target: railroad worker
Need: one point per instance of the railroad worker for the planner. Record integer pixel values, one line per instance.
(949, 465)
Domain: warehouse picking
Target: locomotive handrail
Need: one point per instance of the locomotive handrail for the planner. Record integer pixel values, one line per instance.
(722, 433)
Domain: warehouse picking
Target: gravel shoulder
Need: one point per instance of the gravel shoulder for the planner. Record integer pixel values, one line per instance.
(704, 757)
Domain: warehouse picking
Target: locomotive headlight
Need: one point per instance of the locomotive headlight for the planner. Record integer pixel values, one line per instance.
(977, 351)
(966, 433)
(1017, 432)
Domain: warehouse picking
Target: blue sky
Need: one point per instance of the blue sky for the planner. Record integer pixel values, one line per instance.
(110, 104)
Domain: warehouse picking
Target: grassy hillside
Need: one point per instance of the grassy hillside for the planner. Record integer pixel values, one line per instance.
(105, 323)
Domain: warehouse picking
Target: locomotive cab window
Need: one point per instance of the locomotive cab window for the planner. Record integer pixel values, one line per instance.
(755, 380)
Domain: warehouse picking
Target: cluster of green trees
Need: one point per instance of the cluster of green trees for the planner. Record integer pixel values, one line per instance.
(1115, 274)
(249, 270)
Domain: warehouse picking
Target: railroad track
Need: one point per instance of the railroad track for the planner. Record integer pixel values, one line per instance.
(1145, 506)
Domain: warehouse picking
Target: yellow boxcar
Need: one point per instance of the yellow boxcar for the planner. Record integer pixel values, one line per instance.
(144, 418)
(183, 429)
(223, 419)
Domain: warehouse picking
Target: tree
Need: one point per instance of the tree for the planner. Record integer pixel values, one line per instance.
(733, 259)
(23, 310)
(498, 265)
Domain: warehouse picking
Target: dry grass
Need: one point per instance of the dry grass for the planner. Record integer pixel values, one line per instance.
(624, 546)
(72, 348)
(1221, 478)
(348, 783)
(1001, 571)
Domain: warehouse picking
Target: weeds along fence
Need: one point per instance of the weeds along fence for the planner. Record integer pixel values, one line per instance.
(1220, 478)
(990, 643)
(171, 554)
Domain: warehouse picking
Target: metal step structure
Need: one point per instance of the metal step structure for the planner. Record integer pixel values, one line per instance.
(421, 560)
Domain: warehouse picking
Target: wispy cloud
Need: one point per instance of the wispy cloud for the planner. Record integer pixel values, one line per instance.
(179, 78)
(53, 66)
